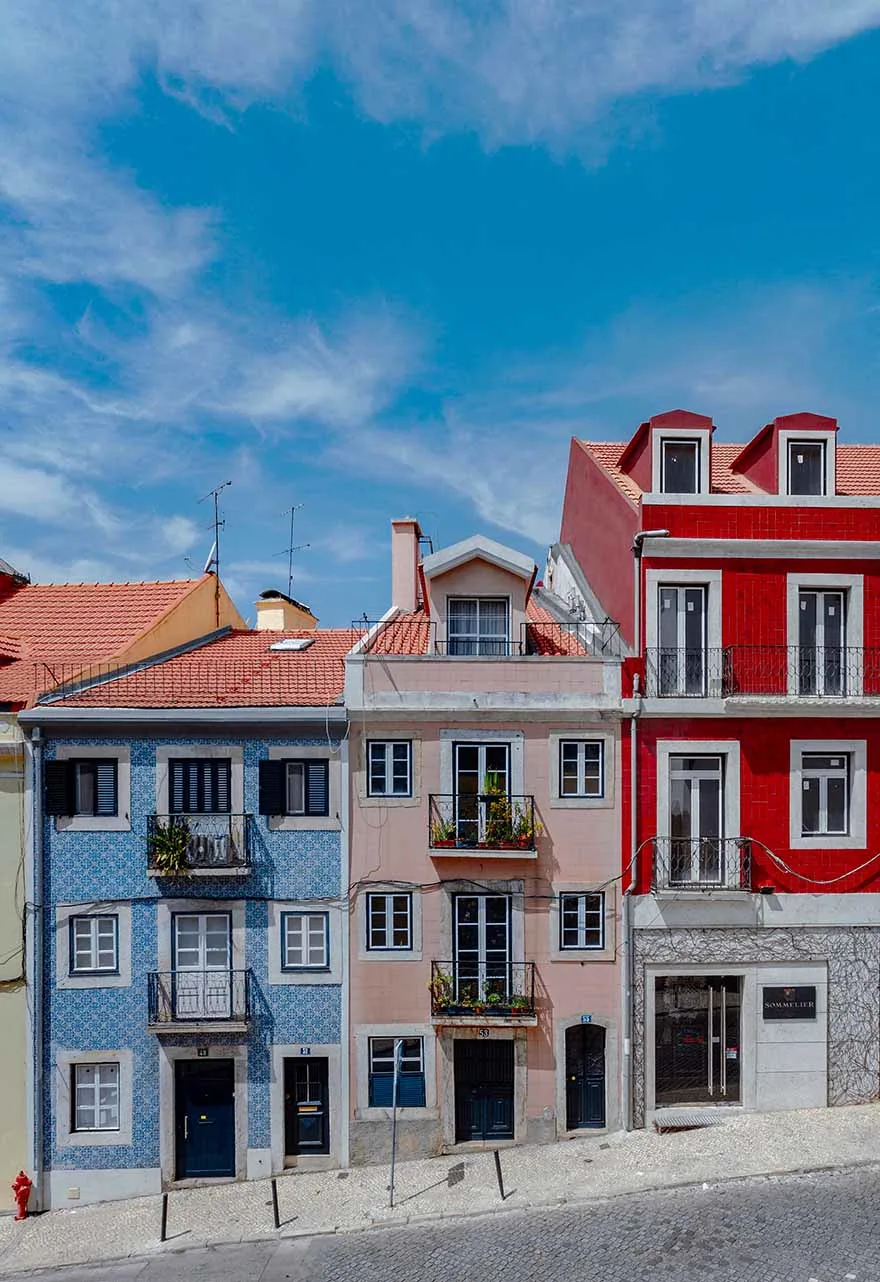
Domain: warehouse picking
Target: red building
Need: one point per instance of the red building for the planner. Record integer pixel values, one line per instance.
(747, 583)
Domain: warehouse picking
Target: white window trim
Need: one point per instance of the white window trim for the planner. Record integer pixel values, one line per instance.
(389, 743)
(65, 1136)
(390, 954)
(96, 979)
(609, 756)
(580, 956)
(828, 439)
(857, 749)
(277, 975)
(478, 597)
(121, 821)
(310, 823)
(702, 436)
(515, 738)
(854, 586)
(671, 577)
(389, 735)
(208, 751)
(728, 748)
(168, 909)
(363, 1033)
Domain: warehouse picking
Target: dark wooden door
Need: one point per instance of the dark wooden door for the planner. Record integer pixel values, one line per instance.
(306, 1106)
(204, 1104)
(483, 1089)
(585, 1076)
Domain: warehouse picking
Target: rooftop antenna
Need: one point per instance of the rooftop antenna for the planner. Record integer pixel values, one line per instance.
(292, 547)
(212, 565)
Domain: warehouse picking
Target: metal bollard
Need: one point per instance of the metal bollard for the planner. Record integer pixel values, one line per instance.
(163, 1235)
(498, 1173)
(275, 1215)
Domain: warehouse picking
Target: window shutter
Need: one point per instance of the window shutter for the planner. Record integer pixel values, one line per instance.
(105, 788)
(272, 787)
(175, 787)
(222, 798)
(381, 1090)
(58, 778)
(410, 1090)
(317, 799)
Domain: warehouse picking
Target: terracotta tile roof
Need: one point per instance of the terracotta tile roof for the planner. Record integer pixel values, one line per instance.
(858, 468)
(239, 670)
(74, 624)
(405, 634)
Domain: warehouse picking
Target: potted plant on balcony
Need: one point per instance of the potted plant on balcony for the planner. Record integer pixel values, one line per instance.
(498, 830)
(441, 991)
(520, 1005)
(443, 833)
(525, 828)
(169, 845)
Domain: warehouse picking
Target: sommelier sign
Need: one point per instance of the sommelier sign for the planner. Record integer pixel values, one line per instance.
(790, 1003)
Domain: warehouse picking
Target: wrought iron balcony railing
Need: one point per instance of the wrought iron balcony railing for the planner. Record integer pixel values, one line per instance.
(187, 997)
(482, 987)
(818, 672)
(180, 844)
(420, 636)
(702, 863)
(687, 674)
(481, 821)
(572, 640)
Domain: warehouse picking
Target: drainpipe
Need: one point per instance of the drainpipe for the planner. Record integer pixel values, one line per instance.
(35, 898)
(626, 949)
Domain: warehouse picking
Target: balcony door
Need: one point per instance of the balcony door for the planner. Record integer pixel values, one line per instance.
(482, 947)
(696, 821)
(202, 966)
(821, 642)
(682, 636)
(481, 771)
(697, 1040)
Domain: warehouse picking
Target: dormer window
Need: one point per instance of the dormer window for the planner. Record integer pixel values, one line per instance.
(478, 626)
(680, 464)
(806, 467)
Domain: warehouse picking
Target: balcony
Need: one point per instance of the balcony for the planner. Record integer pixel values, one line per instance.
(493, 825)
(763, 671)
(536, 638)
(472, 992)
(683, 864)
(199, 1001)
(687, 674)
(199, 845)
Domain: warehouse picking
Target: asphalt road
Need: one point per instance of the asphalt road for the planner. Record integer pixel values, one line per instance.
(819, 1228)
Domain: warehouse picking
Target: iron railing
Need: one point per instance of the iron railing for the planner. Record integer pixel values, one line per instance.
(571, 640)
(179, 844)
(576, 640)
(687, 674)
(817, 672)
(199, 996)
(499, 989)
(481, 821)
(702, 863)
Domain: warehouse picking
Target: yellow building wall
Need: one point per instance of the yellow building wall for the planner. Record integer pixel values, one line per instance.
(13, 1011)
(195, 616)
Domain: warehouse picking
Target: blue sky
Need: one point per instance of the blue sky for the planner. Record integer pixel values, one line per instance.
(384, 258)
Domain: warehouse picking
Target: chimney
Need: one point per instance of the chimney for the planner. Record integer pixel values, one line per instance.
(405, 537)
(279, 613)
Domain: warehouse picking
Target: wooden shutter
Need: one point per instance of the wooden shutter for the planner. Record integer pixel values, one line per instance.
(176, 787)
(222, 793)
(317, 800)
(105, 788)
(58, 792)
(272, 774)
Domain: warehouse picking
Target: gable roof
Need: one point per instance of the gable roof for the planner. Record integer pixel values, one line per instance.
(67, 626)
(483, 548)
(238, 670)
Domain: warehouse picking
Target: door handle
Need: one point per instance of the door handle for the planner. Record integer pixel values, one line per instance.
(185, 1127)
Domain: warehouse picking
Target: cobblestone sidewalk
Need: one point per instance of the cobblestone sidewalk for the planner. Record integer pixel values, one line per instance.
(343, 1201)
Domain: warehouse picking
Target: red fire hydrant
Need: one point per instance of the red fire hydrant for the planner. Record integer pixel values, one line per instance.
(21, 1188)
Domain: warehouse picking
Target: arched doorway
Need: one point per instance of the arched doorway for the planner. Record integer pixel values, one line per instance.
(584, 1076)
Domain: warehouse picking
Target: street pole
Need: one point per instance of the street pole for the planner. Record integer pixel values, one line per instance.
(398, 1050)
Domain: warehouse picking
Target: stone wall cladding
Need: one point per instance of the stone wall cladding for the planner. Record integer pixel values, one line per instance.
(852, 955)
(371, 1141)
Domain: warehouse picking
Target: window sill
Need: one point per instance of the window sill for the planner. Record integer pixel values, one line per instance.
(303, 823)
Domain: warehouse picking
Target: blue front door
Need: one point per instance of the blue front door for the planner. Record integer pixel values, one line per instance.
(204, 1118)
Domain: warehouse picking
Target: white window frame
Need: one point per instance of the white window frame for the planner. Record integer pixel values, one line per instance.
(106, 1076)
(363, 1034)
(309, 752)
(703, 438)
(388, 896)
(610, 758)
(854, 587)
(65, 1134)
(857, 751)
(121, 821)
(281, 974)
(65, 977)
(787, 437)
(727, 748)
(822, 776)
(671, 577)
(479, 598)
(93, 920)
(306, 919)
(581, 794)
(388, 745)
(581, 896)
(669, 442)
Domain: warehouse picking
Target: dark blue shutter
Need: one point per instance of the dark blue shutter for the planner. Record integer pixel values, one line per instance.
(105, 788)
(317, 800)
(410, 1090)
(221, 794)
(58, 789)
(272, 787)
(176, 787)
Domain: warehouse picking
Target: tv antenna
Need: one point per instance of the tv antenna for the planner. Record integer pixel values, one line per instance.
(212, 565)
(292, 547)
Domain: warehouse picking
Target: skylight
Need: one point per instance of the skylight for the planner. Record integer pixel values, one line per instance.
(292, 643)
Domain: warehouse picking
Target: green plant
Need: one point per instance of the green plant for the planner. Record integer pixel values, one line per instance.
(169, 845)
(443, 830)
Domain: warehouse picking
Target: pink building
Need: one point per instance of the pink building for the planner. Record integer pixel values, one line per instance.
(485, 858)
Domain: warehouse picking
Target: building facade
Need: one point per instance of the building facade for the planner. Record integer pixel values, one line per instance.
(485, 840)
(746, 580)
(194, 881)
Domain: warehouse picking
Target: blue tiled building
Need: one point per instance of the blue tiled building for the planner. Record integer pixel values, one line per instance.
(194, 890)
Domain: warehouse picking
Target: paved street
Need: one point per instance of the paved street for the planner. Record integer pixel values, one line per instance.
(819, 1228)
